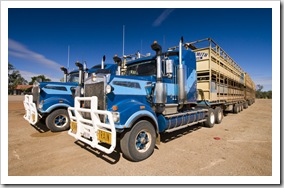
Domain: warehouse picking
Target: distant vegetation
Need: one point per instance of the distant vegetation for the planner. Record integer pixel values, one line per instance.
(15, 79)
(262, 94)
(40, 78)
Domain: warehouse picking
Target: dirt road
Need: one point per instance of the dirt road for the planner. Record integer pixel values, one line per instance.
(244, 148)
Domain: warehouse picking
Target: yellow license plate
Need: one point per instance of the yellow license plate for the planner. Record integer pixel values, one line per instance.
(73, 126)
(104, 136)
(33, 117)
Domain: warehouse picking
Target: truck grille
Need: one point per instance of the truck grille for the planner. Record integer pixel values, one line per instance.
(35, 95)
(95, 89)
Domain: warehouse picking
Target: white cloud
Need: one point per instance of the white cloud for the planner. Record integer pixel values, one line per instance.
(265, 81)
(162, 17)
(18, 50)
(27, 75)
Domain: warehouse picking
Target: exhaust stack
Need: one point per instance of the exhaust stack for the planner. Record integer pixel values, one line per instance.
(80, 67)
(65, 73)
(181, 77)
(160, 90)
(103, 62)
(118, 61)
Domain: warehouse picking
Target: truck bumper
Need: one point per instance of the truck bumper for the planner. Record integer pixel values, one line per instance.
(31, 114)
(92, 131)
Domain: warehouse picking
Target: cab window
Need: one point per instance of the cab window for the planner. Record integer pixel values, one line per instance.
(146, 68)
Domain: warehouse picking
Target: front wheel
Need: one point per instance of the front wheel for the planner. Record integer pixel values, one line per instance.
(138, 143)
(58, 120)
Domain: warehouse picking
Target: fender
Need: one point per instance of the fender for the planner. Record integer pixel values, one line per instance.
(137, 115)
(53, 103)
(131, 110)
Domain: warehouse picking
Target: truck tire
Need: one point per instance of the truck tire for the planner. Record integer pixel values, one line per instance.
(138, 143)
(241, 107)
(218, 115)
(236, 109)
(58, 120)
(245, 105)
(210, 118)
(249, 102)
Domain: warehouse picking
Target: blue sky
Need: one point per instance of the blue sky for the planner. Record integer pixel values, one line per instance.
(39, 37)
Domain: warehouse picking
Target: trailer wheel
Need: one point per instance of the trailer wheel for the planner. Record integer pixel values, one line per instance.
(58, 120)
(138, 143)
(210, 118)
(236, 109)
(218, 115)
(249, 102)
(245, 105)
(241, 107)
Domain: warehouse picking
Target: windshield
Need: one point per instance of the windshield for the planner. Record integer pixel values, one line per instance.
(74, 77)
(145, 68)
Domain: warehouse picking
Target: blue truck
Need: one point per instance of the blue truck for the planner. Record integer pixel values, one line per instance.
(146, 97)
(49, 100)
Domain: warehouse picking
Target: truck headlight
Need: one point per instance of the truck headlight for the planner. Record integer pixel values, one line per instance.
(40, 105)
(94, 77)
(116, 116)
(109, 89)
(82, 91)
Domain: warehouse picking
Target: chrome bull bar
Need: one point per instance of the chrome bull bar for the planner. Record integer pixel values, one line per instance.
(31, 114)
(92, 131)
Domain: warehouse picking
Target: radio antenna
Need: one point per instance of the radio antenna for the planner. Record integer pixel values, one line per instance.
(68, 57)
(123, 40)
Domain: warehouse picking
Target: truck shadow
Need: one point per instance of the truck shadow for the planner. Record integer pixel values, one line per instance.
(40, 126)
(167, 137)
(112, 158)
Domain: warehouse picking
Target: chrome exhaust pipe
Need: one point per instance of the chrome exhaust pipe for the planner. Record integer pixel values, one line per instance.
(103, 62)
(181, 77)
(80, 67)
(65, 73)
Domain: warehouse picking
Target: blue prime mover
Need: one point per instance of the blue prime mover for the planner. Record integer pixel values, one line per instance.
(146, 96)
(49, 101)
(151, 95)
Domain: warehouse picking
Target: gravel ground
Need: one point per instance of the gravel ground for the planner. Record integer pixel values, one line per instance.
(243, 148)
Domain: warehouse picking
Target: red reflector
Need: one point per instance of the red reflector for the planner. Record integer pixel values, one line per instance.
(217, 138)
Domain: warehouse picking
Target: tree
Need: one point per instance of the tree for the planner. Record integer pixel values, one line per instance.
(40, 78)
(10, 68)
(262, 94)
(14, 79)
(258, 93)
(269, 94)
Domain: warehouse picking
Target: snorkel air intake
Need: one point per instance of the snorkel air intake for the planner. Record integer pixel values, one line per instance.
(118, 61)
(160, 97)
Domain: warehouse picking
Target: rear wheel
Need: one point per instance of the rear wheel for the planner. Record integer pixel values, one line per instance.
(236, 109)
(249, 102)
(245, 105)
(138, 143)
(58, 120)
(210, 118)
(218, 115)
